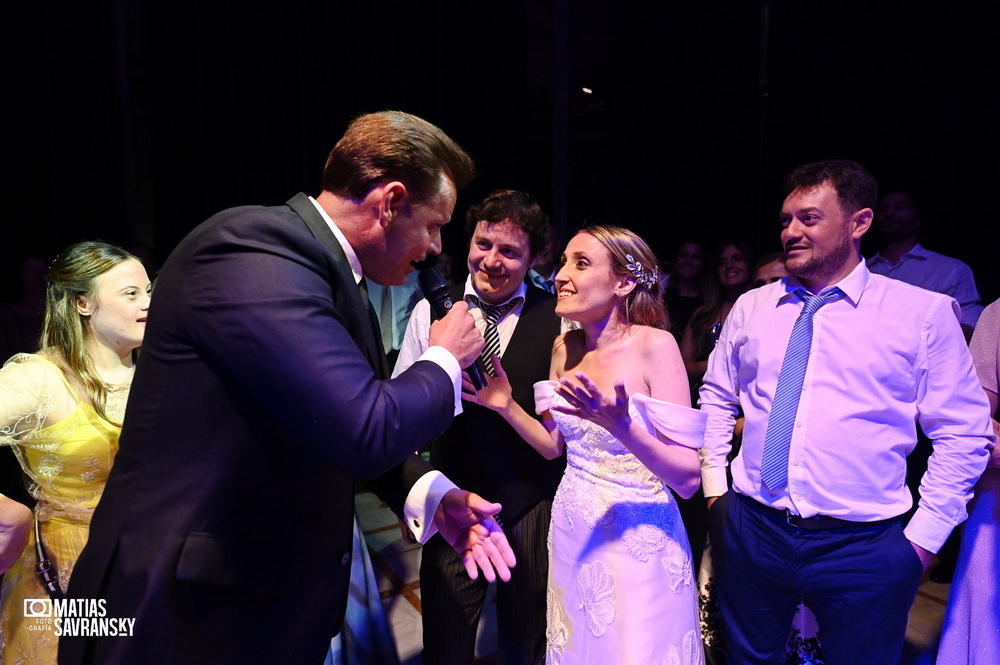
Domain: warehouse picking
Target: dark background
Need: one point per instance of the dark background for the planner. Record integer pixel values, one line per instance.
(134, 121)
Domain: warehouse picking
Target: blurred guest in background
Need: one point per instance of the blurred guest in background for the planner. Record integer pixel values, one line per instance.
(731, 277)
(897, 223)
(770, 268)
(393, 306)
(685, 290)
(543, 273)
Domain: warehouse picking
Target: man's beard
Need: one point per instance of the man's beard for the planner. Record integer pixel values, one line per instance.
(821, 266)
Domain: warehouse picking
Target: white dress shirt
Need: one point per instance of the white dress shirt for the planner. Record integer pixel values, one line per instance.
(426, 494)
(419, 326)
(885, 358)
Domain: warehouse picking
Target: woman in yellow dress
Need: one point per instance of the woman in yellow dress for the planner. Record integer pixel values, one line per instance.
(61, 409)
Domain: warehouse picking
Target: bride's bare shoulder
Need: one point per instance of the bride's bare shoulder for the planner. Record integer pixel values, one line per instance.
(655, 341)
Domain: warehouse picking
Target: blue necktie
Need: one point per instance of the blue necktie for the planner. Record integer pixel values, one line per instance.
(774, 461)
(544, 284)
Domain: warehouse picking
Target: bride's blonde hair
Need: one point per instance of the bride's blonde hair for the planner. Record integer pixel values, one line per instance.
(632, 257)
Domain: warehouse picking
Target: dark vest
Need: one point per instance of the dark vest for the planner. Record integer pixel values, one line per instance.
(480, 452)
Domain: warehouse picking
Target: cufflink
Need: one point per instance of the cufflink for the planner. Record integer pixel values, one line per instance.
(416, 523)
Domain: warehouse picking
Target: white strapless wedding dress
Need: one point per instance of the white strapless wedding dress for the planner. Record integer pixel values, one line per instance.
(621, 586)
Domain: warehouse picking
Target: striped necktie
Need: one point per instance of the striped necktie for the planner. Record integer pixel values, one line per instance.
(492, 315)
(774, 459)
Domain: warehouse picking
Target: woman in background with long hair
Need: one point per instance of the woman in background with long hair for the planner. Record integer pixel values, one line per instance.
(61, 409)
(731, 278)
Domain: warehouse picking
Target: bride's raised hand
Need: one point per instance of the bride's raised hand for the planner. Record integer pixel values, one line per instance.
(497, 395)
(588, 402)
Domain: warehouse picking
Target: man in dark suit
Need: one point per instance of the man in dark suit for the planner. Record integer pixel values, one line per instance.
(480, 451)
(226, 525)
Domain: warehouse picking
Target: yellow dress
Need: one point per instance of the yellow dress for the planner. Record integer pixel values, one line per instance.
(67, 464)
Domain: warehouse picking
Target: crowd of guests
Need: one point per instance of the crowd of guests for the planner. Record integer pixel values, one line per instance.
(751, 420)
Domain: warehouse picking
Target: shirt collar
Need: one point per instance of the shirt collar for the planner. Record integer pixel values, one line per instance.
(352, 257)
(534, 275)
(919, 252)
(470, 290)
(852, 285)
(916, 252)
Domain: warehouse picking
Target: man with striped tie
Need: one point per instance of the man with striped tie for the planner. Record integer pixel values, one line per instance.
(481, 452)
(834, 368)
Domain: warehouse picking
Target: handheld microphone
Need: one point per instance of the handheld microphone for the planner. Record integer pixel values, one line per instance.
(436, 291)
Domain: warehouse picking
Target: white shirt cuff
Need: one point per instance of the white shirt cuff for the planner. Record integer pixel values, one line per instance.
(928, 531)
(714, 481)
(443, 358)
(422, 503)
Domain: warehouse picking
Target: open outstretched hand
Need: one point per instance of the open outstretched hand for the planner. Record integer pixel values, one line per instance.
(588, 402)
(497, 395)
(466, 521)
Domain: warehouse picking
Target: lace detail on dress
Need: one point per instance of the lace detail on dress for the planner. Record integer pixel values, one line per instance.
(67, 463)
(615, 525)
(25, 400)
(64, 573)
(92, 465)
(555, 629)
(642, 541)
(597, 596)
(690, 651)
(26, 423)
(679, 569)
(116, 400)
(603, 471)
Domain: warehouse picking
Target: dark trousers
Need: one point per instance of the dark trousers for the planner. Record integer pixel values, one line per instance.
(452, 603)
(859, 581)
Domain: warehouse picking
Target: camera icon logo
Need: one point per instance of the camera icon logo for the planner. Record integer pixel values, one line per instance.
(37, 607)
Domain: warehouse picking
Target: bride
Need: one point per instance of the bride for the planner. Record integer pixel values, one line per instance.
(621, 587)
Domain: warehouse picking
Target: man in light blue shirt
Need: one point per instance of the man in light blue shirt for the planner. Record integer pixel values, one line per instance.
(883, 358)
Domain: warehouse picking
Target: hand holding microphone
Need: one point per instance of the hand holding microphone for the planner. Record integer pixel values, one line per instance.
(455, 330)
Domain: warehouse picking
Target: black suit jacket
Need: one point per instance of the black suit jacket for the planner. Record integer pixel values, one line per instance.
(480, 451)
(226, 525)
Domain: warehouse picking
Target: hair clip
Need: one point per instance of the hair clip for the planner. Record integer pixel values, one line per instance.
(644, 276)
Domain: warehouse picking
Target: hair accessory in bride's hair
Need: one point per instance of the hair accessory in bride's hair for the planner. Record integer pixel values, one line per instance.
(644, 276)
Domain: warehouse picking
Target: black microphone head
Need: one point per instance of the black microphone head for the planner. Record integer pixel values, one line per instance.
(435, 289)
(431, 281)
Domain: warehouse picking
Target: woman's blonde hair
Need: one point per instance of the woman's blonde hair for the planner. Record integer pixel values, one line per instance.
(71, 275)
(632, 257)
